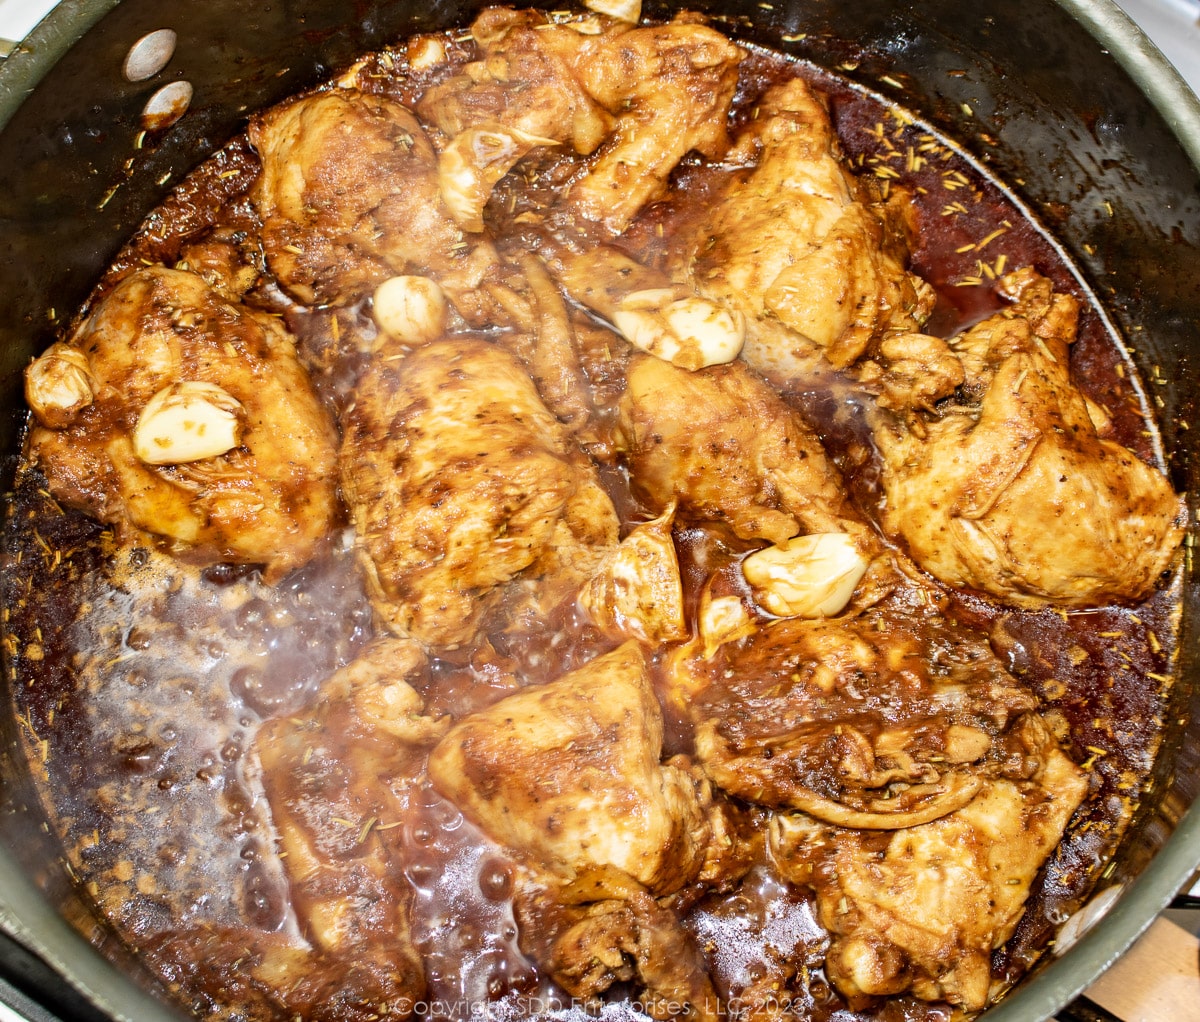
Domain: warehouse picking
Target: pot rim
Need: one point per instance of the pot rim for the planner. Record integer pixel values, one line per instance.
(25, 914)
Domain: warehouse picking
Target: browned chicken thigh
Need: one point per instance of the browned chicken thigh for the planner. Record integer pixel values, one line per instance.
(879, 721)
(916, 788)
(568, 774)
(727, 447)
(459, 479)
(1014, 491)
(638, 98)
(670, 87)
(815, 268)
(923, 908)
(524, 80)
(349, 196)
(175, 411)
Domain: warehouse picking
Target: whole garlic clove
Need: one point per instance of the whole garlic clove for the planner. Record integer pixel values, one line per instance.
(622, 10)
(425, 52)
(410, 309)
(689, 331)
(809, 576)
(187, 422)
(58, 385)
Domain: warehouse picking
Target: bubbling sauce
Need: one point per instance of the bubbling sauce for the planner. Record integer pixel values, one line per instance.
(140, 682)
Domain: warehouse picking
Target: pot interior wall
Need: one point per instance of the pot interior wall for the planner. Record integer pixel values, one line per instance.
(1031, 94)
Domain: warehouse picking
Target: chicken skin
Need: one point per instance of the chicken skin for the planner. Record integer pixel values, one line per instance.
(329, 773)
(671, 87)
(177, 412)
(1014, 491)
(568, 774)
(815, 268)
(636, 99)
(349, 196)
(524, 80)
(923, 908)
(459, 480)
(879, 721)
(725, 446)
(916, 788)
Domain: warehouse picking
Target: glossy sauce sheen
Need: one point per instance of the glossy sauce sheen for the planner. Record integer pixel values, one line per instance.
(140, 683)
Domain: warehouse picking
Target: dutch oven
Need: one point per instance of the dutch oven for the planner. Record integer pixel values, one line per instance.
(1066, 101)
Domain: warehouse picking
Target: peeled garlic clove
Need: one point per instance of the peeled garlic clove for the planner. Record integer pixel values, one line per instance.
(690, 332)
(809, 576)
(622, 10)
(646, 331)
(187, 422)
(58, 385)
(410, 309)
(714, 335)
(425, 52)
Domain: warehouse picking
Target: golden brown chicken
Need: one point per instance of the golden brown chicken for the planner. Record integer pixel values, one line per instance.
(524, 80)
(727, 447)
(929, 792)
(349, 196)
(175, 411)
(639, 99)
(923, 908)
(815, 268)
(568, 775)
(605, 931)
(1014, 491)
(459, 479)
(879, 721)
(670, 87)
(330, 773)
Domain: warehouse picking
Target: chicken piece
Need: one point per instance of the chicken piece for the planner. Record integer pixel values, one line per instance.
(880, 721)
(1013, 492)
(568, 773)
(912, 371)
(724, 445)
(524, 80)
(349, 195)
(923, 908)
(814, 267)
(176, 411)
(602, 930)
(640, 99)
(223, 261)
(552, 358)
(459, 479)
(671, 87)
(329, 773)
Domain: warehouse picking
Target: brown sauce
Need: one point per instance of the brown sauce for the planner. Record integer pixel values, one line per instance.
(141, 682)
